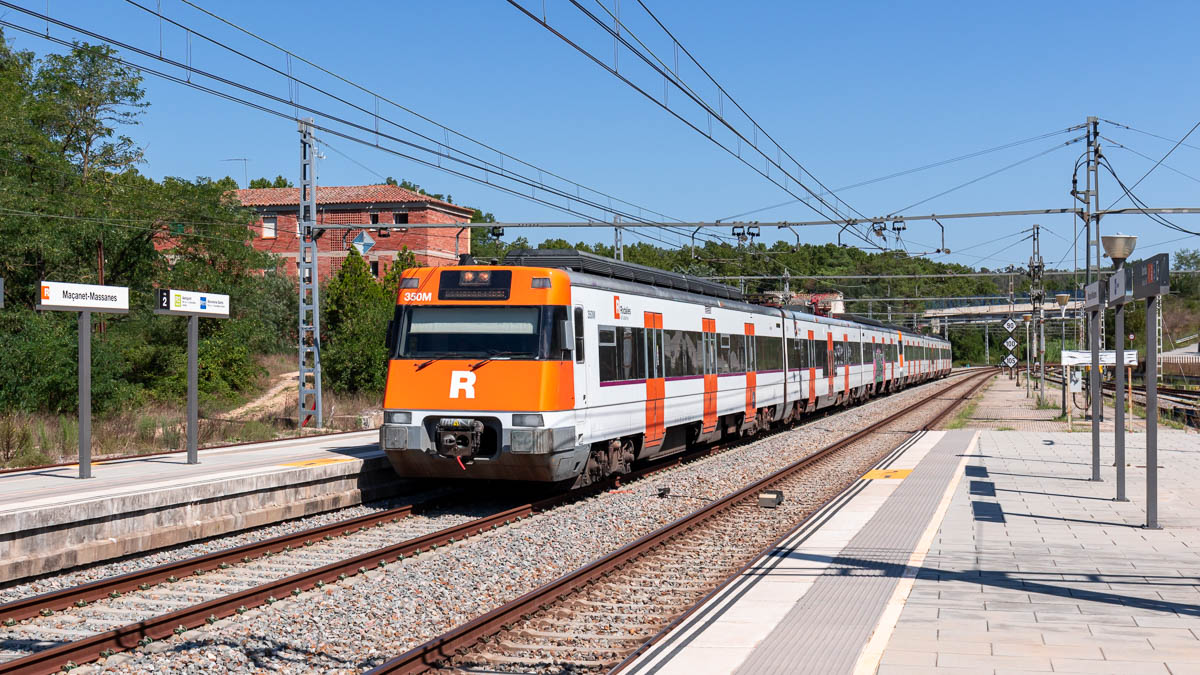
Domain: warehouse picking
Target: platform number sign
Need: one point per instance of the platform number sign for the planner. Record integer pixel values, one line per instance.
(1010, 344)
(1010, 360)
(1010, 326)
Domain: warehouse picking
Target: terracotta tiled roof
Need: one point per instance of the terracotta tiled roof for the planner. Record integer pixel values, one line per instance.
(339, 194)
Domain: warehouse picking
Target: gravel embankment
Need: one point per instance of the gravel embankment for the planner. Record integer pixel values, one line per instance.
(363, 620)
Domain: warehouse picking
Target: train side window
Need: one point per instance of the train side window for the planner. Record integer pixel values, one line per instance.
(579, 335)
(609, 356)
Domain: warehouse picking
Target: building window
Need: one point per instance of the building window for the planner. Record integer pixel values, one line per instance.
(268, 227)
(400, 218)
(374, 218)
(375, 268)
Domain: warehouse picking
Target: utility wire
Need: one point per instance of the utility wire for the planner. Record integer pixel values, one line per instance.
(1126, 126)
(380, 97)
(924, 167)
(1148, 157)
(710, 112)
(988, 175)
(187, 82)
(1139, 204)
(1156, 164)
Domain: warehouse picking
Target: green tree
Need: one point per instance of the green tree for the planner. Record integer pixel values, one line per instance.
(356, 314)
(88, 95)
(279, 182)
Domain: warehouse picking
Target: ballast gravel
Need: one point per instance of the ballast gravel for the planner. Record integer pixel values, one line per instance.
(83, 575)
(364, 620)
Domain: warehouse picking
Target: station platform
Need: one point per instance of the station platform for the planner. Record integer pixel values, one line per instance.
(970, 551)
(51, 519)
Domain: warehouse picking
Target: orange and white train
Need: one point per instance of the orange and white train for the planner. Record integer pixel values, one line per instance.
(565, 367)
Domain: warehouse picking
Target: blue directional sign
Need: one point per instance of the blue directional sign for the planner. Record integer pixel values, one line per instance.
(363, 242)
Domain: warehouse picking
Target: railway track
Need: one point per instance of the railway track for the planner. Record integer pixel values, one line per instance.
(598, 616)
(97, 619)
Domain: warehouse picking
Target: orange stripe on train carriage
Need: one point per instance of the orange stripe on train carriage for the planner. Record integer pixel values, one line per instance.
(521, 290)
(751, 375)
(501, 385)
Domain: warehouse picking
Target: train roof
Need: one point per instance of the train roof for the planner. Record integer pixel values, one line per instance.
(589, 263)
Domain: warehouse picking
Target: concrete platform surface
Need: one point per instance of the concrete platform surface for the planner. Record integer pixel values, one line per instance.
(50, 518)
(1036, 569)
(812, 604)
(1000, 556)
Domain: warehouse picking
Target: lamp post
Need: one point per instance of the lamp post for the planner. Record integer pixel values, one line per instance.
(1028, 357)
(1062, 299)
(1119, 247)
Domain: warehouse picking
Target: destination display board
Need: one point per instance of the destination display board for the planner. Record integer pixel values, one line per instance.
(191, 303)
(1152, 277)
(64, 297)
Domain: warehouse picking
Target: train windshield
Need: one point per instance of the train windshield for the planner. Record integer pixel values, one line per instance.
(470, 332)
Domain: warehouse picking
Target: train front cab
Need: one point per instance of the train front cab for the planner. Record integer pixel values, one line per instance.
(481, 377)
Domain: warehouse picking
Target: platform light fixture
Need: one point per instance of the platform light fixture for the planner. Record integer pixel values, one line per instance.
(1062, 299)
(1119, 246)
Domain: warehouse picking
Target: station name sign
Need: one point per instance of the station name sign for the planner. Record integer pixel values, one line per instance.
(1091, 294)
(1118, 287)
(191, 303)
(65, 297)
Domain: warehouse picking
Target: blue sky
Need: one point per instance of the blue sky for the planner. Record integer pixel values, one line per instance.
(852, 90)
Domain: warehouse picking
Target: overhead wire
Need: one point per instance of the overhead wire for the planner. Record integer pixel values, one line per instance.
(1139, 204)
(1159, 136)
(1030, 158)
(483, 164)
(632, 219)
(698, 100)
(924, 167)
(1149, 158)
(1156, 165)
(379, 97)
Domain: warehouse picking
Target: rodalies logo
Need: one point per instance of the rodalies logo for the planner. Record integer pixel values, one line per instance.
(620, 311)
(462, 382)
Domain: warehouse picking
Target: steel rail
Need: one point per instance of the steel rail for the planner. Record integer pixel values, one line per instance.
(677, 621)
(429, 655)
(65, 598)
(132, 635)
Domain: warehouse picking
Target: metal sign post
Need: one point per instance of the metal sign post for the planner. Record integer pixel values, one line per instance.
(85, 299)
(192, 305)
(1150, 280)
(1092, 303)
(1117, 298)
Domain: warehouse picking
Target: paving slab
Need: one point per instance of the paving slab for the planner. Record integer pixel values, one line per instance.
(1092, 592)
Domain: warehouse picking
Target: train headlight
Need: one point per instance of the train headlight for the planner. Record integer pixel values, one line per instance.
(398, 417)
(527, 420)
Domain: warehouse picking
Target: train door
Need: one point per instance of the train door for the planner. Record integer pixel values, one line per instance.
(709, 346)
(655, 381)
(751, 375)
(586, 378)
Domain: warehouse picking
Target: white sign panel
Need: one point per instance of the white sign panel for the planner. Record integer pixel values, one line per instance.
(1010, 361)
(190, 302)
(1010, 344)
(1117, 289)
(77, 297)
(1091, 295)
(1108, 357)
(1009, 325)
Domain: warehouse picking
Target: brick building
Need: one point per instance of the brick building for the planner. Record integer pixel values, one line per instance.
(384, 211)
